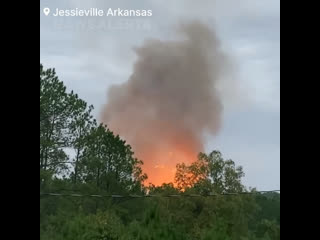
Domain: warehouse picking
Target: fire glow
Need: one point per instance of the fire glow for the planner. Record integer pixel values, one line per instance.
(161, 166)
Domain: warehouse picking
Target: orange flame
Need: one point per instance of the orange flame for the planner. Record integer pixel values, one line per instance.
(160, 165)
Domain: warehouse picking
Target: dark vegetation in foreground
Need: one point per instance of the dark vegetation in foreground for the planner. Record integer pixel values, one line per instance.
(103, 163)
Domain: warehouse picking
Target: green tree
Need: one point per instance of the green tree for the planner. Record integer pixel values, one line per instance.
(210, 174)
(80, 128)
(109, 162)
(56, 109)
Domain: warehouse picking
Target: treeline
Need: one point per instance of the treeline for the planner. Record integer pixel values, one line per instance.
(78, 155)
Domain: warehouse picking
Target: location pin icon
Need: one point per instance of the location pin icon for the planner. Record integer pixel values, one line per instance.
(46, 11)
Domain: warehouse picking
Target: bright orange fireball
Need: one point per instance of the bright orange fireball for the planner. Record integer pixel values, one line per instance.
(160, 166)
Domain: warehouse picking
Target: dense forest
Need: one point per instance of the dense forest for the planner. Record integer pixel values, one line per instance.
(91, 185)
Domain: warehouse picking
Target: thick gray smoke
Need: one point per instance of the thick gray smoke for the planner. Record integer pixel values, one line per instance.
(170, 100)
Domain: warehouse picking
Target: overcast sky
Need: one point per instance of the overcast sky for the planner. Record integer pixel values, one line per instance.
(91, 54)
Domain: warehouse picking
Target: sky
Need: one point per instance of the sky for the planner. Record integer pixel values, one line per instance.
(92, 53)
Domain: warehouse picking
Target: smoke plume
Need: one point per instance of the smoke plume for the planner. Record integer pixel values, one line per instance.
(170, 100)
